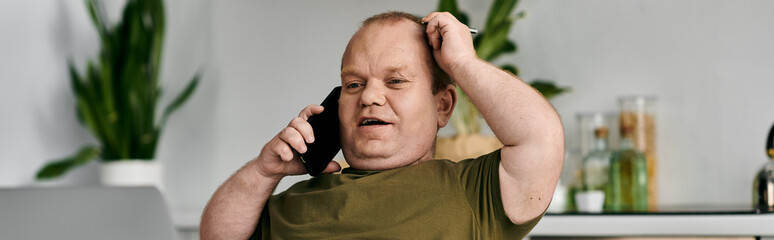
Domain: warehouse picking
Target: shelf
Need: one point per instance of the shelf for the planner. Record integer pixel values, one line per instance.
(601, 225)
(186, 220)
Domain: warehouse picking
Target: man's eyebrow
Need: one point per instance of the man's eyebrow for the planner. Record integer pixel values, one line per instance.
(348, 72)
(397, 69)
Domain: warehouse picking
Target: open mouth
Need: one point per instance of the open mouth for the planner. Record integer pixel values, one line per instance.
(372, 121)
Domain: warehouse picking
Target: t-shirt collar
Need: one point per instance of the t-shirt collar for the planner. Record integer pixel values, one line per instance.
(353, 171)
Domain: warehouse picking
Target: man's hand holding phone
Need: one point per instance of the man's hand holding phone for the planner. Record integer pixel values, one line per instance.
(277, 158)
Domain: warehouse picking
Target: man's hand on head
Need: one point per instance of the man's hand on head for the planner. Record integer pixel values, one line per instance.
(451, 40)
(277, 158)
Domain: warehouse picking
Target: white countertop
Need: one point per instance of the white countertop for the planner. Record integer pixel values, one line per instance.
(615, 225)
(657, 225)
(186, 219)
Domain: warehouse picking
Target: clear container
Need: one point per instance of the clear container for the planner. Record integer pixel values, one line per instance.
(763, 187)
(595, 164)
(638, 113)
(570, 179)
(589, 122)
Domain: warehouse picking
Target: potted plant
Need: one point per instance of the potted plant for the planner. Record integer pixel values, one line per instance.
(491, 43)
(117, 97)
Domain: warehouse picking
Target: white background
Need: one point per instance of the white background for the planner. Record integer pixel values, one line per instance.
(709, 62)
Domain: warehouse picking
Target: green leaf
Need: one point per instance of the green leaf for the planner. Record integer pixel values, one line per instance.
(97, 14)
(84, 102)
(494, 40)
(180, 99)
(57, 168)
(548, 89)
(506, 47)
(447, 6)
(451, 7)
(520, 15)
(462, 17)
(511, 68)
(499, 12)
(75, 79)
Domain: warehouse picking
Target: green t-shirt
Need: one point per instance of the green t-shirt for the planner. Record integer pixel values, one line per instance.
(437, 199)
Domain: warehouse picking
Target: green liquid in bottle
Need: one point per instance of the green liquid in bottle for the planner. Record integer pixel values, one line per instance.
(627, 189)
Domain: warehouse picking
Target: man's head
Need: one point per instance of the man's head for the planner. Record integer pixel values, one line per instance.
(394, 97)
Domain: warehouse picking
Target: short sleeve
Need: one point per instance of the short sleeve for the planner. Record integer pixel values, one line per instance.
(480, 180)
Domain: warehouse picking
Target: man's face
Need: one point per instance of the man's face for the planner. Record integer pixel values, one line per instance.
(389, 115)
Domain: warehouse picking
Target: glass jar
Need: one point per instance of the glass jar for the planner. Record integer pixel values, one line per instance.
(637, 113)
(763, 187)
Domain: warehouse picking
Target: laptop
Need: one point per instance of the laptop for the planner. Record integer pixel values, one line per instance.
(84, 213)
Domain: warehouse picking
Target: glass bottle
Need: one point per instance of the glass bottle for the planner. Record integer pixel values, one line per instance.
(627, 189)
(638, 113)
(763, 187)
(595, 164)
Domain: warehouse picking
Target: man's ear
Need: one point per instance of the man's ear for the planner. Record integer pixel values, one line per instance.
(446, 100)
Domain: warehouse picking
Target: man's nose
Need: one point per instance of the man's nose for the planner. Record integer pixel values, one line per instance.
(373, 94)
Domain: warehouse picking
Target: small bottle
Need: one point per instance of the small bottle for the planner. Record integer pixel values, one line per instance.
(763, 187)
(595, 164)
(627, 189)
(594, 174)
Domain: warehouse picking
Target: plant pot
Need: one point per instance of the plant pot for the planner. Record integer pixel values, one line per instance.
(131, 173)
(458, 148)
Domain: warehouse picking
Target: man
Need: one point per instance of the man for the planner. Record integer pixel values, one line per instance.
(394, 100)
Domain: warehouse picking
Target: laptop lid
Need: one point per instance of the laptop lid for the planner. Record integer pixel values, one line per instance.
(84, 213)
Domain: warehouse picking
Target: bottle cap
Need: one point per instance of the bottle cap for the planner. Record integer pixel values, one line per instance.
(600, 132)
(627, 131)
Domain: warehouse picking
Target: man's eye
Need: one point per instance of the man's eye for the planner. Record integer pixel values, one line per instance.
(396, 81)
(354, 85)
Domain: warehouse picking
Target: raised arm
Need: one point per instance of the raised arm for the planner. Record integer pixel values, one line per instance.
(235, 208)
(520, 117)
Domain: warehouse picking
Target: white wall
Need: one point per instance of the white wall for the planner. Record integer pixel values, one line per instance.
(708, 61)
(38, 121)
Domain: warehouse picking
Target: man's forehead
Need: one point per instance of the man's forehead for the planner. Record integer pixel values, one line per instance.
(386, 48)
(386, 34)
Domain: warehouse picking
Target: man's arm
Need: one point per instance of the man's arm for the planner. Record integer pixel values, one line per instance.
(520, 117)
(235, 208)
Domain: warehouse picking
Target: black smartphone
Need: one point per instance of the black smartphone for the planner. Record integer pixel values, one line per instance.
(326, 135)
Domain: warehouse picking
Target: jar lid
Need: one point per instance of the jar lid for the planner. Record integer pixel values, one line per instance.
(649, 98)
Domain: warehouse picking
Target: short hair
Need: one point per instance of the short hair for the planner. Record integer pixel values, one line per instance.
(440, 78)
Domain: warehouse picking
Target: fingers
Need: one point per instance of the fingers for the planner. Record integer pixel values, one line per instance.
(439, 24)
(298, 133)
(310, 110)
(304, 128)
(332, 167)
(430, 16)
(434, 36)
(282, 149)
(433, 31)
(293, 138)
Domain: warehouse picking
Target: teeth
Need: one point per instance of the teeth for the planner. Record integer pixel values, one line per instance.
(371, 121)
